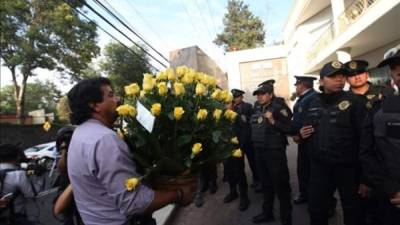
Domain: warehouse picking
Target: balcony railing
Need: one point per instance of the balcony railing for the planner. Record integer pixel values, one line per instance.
(351, 14)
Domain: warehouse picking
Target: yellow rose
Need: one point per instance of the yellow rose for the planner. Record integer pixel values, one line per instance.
(237, 153)
(211, 81)
(132, 183)
(216, 95)
(235, 141)
(162, 88)
(132, 89)
(178, 113)
(142, 93)
(126, 110)
(156, 109)
(197, 148)
(200, 89)
(188, 78)
(162, 76)
(181, 70)
(170, 74)
(230, 115)
(217, 114)
(179, 88)
(148, 82)
(202, 114)
(226, 96)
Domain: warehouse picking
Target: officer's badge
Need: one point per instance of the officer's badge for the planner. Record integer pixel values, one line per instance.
(344, 105)
(353, 65)
(300, 110)
(284, 112)
(260, 119)
(369, 105)
(336, 64)
(370, 96)
(243, 117)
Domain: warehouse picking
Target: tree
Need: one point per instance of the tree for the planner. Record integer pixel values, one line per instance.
(39, 95)
(242, 29)
(122, 66)
(43, 34)
(63, 110)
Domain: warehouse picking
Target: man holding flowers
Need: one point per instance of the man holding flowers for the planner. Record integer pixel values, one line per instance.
(105, 181)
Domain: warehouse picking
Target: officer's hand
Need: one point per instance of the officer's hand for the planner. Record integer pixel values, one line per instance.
(270, 117)
(188, 192)
(364, 191)
(396, 199)
(4, 203)
(306, 131)
(296, 139)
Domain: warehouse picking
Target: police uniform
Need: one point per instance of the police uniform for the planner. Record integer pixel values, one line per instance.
(234, 168)
(336, 119)
(270, 143)
(299, 113)
(380, 145)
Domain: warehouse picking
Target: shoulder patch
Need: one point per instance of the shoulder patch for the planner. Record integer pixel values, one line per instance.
(343, 105)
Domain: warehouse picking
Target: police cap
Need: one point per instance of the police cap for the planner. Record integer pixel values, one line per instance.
(305, 79)
(391, 57)
(237, 93)
(266, 88)
(331, 69)
(270, 82)
(355, 67)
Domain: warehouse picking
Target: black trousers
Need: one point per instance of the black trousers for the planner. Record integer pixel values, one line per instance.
(250, 154)
(303, 168)
(235, 175)
(391, 214)
(274, 174)
(325, 178)
(206, 175)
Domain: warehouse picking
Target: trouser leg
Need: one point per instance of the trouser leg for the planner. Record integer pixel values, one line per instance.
(268, 203)
(303, 169)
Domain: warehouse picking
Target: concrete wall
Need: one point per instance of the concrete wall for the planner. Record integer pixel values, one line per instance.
(375, 56)
(195, 58)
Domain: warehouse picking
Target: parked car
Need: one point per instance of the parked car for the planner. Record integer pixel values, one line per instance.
(47, 150)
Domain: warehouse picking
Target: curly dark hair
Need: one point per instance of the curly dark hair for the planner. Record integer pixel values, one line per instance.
(82, 94)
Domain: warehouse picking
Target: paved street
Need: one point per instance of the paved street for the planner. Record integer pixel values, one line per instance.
(215, 212)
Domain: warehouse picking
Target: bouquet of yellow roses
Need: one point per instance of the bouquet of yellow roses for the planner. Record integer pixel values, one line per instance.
(191, 126)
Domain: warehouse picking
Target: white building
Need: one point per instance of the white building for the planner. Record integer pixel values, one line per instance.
(319, 31)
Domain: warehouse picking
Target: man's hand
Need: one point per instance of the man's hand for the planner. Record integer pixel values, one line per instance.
(270, 117)
(296, 139)
(306, 131)
(364, 191)
(396, 199)
(4, 203)
(188, 192)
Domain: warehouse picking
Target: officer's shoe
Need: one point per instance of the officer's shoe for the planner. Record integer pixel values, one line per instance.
(300, 200)
(230, 197)
(199, 201)
(213, 187)
(244, 203)
(263, 218)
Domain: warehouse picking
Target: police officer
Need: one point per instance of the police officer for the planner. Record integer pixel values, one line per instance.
(334, 122)
(234, 171)
(15, 181)
(270, 123)
(306, 93)
(242, 128)
(380, 144)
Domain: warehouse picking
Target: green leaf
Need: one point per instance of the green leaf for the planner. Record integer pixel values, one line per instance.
(184, 139)
(215, 135)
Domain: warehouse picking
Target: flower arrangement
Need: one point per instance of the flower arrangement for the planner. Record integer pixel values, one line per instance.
(191, 127)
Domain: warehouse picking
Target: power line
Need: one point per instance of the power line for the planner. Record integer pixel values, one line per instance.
(112, 36)
(147, 23)
(113, 26)
(212, 18)
(202, 17)
(125, 25)
(196, 31)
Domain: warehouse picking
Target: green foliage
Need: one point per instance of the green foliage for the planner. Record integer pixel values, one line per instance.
(242, 29)
(39, 95)
(122, 66)
(63, 110)
(44, 34)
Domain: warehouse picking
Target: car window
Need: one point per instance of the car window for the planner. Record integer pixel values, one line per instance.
(33, 149)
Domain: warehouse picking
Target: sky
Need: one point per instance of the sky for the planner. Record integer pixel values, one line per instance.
(172, 24)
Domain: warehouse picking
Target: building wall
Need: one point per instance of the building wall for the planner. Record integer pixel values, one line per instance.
(375, 56)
